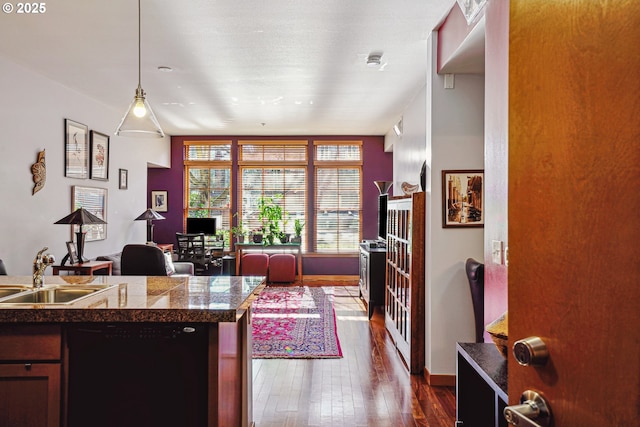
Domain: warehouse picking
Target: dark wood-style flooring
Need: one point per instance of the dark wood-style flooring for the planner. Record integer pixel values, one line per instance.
(369, 386)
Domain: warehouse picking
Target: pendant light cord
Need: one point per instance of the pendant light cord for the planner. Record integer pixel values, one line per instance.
(139, 49)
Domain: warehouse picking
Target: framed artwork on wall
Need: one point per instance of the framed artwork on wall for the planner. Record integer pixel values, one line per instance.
(95, 201)
(123, 179)
(159, 201)
(462, 198)
(76, 149)
(99, 156)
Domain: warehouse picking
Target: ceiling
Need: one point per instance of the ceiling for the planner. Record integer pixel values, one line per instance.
(240, 67)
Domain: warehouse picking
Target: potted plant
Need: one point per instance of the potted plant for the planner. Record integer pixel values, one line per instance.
(298, 225)
(238, 230)
(270, 213)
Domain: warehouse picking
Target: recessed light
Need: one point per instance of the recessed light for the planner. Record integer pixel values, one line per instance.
(165, 69)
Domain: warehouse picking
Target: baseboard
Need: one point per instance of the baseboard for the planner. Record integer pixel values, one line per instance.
(439, 380)
(330, 280)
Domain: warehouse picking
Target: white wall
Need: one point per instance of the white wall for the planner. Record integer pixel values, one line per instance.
(32, 113)
(456, 133)
(445, 127)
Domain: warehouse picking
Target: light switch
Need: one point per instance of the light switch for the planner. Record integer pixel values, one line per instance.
(496, 251)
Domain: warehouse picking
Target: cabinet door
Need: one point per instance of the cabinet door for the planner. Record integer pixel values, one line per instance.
(30, 394)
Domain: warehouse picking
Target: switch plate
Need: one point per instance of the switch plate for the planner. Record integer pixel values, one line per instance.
(497, 249)
(449, 81)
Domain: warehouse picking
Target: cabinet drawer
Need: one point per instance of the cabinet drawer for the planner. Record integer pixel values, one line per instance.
(30, 342)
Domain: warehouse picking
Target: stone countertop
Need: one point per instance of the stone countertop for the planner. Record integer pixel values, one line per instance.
(194, 299)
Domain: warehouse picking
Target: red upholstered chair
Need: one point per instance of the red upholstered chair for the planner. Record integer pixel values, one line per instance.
(282, 268)
(254, 265)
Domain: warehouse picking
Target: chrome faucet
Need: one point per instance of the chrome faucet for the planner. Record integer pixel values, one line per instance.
(39, 264)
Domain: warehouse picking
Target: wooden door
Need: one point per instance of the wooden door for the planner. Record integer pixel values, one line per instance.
(574, 206)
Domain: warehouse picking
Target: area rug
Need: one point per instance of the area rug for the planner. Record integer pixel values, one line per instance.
(296, 322)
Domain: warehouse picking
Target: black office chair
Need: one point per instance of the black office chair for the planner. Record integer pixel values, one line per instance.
(3, 270)
(143, 260)
(191, 248)
(475, 275)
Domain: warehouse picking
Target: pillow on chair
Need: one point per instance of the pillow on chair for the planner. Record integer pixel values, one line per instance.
(171, 269)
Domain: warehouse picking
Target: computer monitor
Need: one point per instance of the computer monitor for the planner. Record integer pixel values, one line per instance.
(201, 225)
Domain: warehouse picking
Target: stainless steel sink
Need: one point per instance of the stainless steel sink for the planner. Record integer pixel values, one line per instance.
(6, 291)
(54, 295)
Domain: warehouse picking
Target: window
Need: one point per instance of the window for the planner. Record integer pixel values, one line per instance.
(208, 181)
(338, 207)
(270, 168)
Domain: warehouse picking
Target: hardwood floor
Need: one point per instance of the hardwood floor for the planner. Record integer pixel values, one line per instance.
(369, 386)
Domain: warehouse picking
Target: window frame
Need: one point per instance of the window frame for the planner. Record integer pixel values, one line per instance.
(336, 164)
(224, 164)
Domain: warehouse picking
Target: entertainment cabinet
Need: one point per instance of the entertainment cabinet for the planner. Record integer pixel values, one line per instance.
(404, 290)
(372, 275)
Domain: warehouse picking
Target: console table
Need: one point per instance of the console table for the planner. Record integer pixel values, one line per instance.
(259, 247)
(86, 268)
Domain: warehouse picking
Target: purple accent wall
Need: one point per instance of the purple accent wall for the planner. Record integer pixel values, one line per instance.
(377, 165)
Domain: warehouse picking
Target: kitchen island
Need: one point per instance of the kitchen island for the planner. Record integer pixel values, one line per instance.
(139, 350)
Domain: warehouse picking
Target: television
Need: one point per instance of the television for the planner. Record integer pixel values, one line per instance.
(201, 225)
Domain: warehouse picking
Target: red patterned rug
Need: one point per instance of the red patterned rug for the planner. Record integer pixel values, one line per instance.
(296, 322)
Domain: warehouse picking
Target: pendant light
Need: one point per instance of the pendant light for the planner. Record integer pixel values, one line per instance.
(139, 119)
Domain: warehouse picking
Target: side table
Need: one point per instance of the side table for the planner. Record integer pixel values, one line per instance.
(86, 268)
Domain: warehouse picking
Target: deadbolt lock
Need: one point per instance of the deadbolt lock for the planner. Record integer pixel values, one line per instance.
(531, 351)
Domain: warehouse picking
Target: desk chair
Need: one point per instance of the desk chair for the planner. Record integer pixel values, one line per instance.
(191, 248)
(475, 275)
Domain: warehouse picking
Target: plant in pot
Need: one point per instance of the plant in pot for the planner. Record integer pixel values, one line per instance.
(238, 230)
(270, 213)
(298, 225)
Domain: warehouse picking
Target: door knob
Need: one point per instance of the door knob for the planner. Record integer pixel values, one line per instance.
(531, 351)
(533, 411)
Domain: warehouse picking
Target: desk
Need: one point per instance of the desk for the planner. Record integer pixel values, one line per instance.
(166, 247)
(86, 268)
(259, 247)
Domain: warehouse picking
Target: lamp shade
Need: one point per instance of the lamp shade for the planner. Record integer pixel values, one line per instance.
(149, 214)
(383, 186)
(80, 216)
(139, 120)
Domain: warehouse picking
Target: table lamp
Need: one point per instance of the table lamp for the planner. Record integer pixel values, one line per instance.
(79, 217)
(150, 215)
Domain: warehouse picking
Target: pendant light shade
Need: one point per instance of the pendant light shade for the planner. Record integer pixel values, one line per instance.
(139, 119)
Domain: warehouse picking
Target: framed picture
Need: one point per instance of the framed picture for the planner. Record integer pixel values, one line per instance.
(159, 201)
(123, 180)
(462, 198)
(76, 149)
(95, 201)
(71, 251)
(99, 156)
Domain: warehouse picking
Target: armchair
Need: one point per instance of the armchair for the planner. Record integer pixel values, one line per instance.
(147, 260)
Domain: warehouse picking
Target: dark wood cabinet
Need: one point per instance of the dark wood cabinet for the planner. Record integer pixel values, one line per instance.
(30, 372)
(404, 290)
(481, 386)
(372, 276)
